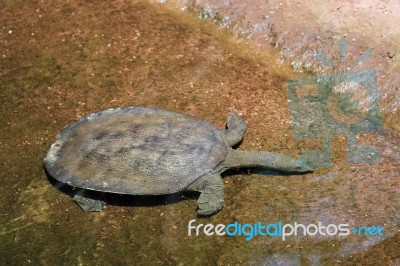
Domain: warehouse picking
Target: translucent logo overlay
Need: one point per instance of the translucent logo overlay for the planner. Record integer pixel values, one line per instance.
(338, 104)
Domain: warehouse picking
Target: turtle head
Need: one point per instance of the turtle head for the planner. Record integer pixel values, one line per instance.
(300, 167)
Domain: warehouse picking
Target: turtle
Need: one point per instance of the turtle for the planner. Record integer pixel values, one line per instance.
(153, 151)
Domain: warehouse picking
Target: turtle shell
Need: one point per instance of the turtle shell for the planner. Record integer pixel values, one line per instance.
(136, 150)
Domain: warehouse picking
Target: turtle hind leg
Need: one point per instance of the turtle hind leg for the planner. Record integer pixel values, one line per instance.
(211, 188)
(88, 204)
(236, 127)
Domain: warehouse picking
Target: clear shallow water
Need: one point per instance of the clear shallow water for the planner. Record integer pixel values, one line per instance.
(62, 60)
(302, 29)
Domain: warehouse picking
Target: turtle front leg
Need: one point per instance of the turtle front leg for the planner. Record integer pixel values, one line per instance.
(88, 204)
(211, 199)
(236, 127)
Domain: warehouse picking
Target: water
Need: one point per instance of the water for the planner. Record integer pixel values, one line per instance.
(61, 60)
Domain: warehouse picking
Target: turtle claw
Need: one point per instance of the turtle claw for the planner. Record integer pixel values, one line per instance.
(89, 205)
(210, 202)
(211, 198)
